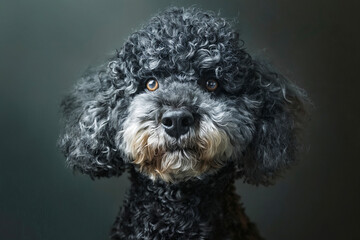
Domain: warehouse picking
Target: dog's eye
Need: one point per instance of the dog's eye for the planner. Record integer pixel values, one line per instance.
(211, 85)
(152, 85)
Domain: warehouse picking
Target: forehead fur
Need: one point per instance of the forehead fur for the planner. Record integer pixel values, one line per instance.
(187, 42)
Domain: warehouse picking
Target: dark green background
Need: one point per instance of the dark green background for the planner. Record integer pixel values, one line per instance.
(46, 45)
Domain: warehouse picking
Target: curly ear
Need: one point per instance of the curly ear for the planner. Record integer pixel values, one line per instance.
(278, 119)
(91, 118)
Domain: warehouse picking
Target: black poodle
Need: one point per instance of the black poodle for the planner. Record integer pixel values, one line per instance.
(187, 111)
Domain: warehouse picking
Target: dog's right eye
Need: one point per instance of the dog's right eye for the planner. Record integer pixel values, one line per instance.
(152, 85)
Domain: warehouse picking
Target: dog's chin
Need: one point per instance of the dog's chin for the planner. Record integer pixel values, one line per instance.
(177, 163)
(172, 160)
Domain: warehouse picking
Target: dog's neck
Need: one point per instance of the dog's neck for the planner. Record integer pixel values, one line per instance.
(210, 186)
(193, 209)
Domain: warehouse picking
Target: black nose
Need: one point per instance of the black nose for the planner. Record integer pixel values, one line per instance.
(177, 122)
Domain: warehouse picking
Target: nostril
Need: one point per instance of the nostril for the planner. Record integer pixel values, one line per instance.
(186, 121)
(167, 122)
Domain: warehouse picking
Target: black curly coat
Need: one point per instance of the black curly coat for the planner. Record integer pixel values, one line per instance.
(195, 209)
(183, 188)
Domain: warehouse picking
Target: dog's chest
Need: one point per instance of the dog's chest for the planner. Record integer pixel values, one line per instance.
(193, 210)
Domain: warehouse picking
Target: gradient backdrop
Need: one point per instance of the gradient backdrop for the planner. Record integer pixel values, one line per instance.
(46, 45)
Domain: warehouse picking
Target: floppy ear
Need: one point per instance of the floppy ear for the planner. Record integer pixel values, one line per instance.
(278, 119)
(91, 114)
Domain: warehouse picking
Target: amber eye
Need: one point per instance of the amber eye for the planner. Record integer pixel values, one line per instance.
(211, 85)
(152, 85)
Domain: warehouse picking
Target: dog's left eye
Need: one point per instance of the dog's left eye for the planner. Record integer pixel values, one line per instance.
(152, 85)
(211, 85)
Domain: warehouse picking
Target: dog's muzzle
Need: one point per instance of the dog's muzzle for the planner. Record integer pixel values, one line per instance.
(177, 122)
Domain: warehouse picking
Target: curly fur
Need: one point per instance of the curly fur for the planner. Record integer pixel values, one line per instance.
(246, 129)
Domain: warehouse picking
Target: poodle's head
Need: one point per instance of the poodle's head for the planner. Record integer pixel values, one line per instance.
(182, 99)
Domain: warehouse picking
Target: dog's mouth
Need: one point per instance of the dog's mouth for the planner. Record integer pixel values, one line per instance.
(178, 146)
(179, 159)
